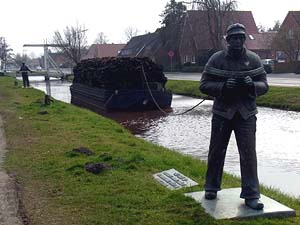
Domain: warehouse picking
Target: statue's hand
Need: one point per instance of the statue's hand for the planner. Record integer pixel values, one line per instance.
(231, 83)
(230, 87)
(248, 81)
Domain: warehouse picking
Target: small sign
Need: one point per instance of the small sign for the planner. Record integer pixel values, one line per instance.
(171, 54)
(173, 179)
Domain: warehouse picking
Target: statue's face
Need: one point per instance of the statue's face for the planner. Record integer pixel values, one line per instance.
(236, 41)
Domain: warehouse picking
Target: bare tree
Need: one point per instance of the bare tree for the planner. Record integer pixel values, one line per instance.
(130, 32)
(101, 38)
(217, 17)
(5, 52)
(73, 42)
(19, 59)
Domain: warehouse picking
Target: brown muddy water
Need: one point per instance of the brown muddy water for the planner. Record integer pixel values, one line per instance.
(278, 136)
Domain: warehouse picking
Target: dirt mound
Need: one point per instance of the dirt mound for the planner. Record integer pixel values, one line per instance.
(96, 168)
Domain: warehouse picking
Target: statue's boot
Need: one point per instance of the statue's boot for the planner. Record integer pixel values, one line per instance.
(254, 203)
(210, 195)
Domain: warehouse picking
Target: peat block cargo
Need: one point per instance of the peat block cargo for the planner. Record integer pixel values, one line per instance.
(119, 84)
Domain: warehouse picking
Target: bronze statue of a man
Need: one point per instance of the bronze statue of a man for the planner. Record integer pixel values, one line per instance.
(234, 77)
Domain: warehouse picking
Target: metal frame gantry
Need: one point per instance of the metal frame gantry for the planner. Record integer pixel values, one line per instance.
(47, 61)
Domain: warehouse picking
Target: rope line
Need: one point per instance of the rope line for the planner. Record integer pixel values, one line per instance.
(150, 92)
(157, 105)
(178, 114)
(108, 100)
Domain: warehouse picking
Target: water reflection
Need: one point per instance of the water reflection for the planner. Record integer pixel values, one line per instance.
(136, 122)
(59, 89)
(278, 143)
(278, 132)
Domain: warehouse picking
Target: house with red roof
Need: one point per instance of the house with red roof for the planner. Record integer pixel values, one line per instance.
(195, 44)
(147, 45)
(59, 59)
(103, 50)
(261, 44)
(287, 41)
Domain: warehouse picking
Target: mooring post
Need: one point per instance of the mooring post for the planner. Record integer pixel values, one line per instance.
(47, 77)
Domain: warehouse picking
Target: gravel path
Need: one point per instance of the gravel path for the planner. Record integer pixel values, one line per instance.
(8, 195)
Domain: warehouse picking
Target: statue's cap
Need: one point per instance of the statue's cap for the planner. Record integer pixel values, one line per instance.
(236, 28)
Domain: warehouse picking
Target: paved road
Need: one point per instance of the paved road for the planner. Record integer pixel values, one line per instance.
(282, 79)
(8, 194)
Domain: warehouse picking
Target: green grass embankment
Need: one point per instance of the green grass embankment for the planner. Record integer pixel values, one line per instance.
(57, 190)
(277, 97)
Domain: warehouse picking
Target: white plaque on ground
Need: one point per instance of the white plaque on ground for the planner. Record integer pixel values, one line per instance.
(173, 179)
(229, 205)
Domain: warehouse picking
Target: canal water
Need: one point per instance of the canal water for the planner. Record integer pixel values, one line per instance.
(278, 136)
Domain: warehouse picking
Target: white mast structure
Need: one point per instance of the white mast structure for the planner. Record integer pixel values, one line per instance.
(47, 60)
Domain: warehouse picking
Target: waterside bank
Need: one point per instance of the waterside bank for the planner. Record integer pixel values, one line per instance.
(57, 189)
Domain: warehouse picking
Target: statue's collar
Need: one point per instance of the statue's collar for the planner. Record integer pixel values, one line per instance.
(230, 53)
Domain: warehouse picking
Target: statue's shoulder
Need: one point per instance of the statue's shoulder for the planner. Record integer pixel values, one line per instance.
(253, 58)
(252, 55)
(215, 58)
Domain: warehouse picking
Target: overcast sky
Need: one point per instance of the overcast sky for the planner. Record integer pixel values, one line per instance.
(34, 21)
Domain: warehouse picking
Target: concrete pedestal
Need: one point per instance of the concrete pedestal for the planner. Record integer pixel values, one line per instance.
(229, 205)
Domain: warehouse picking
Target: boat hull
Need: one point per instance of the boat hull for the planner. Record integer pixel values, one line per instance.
(123, 99)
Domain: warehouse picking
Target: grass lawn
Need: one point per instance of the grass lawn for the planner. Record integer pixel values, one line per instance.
(55, 188)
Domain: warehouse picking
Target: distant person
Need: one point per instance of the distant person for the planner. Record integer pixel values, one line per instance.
(24, 71)
(234, 77)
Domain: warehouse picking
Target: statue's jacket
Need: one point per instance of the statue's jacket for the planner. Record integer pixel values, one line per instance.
(223, 65)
